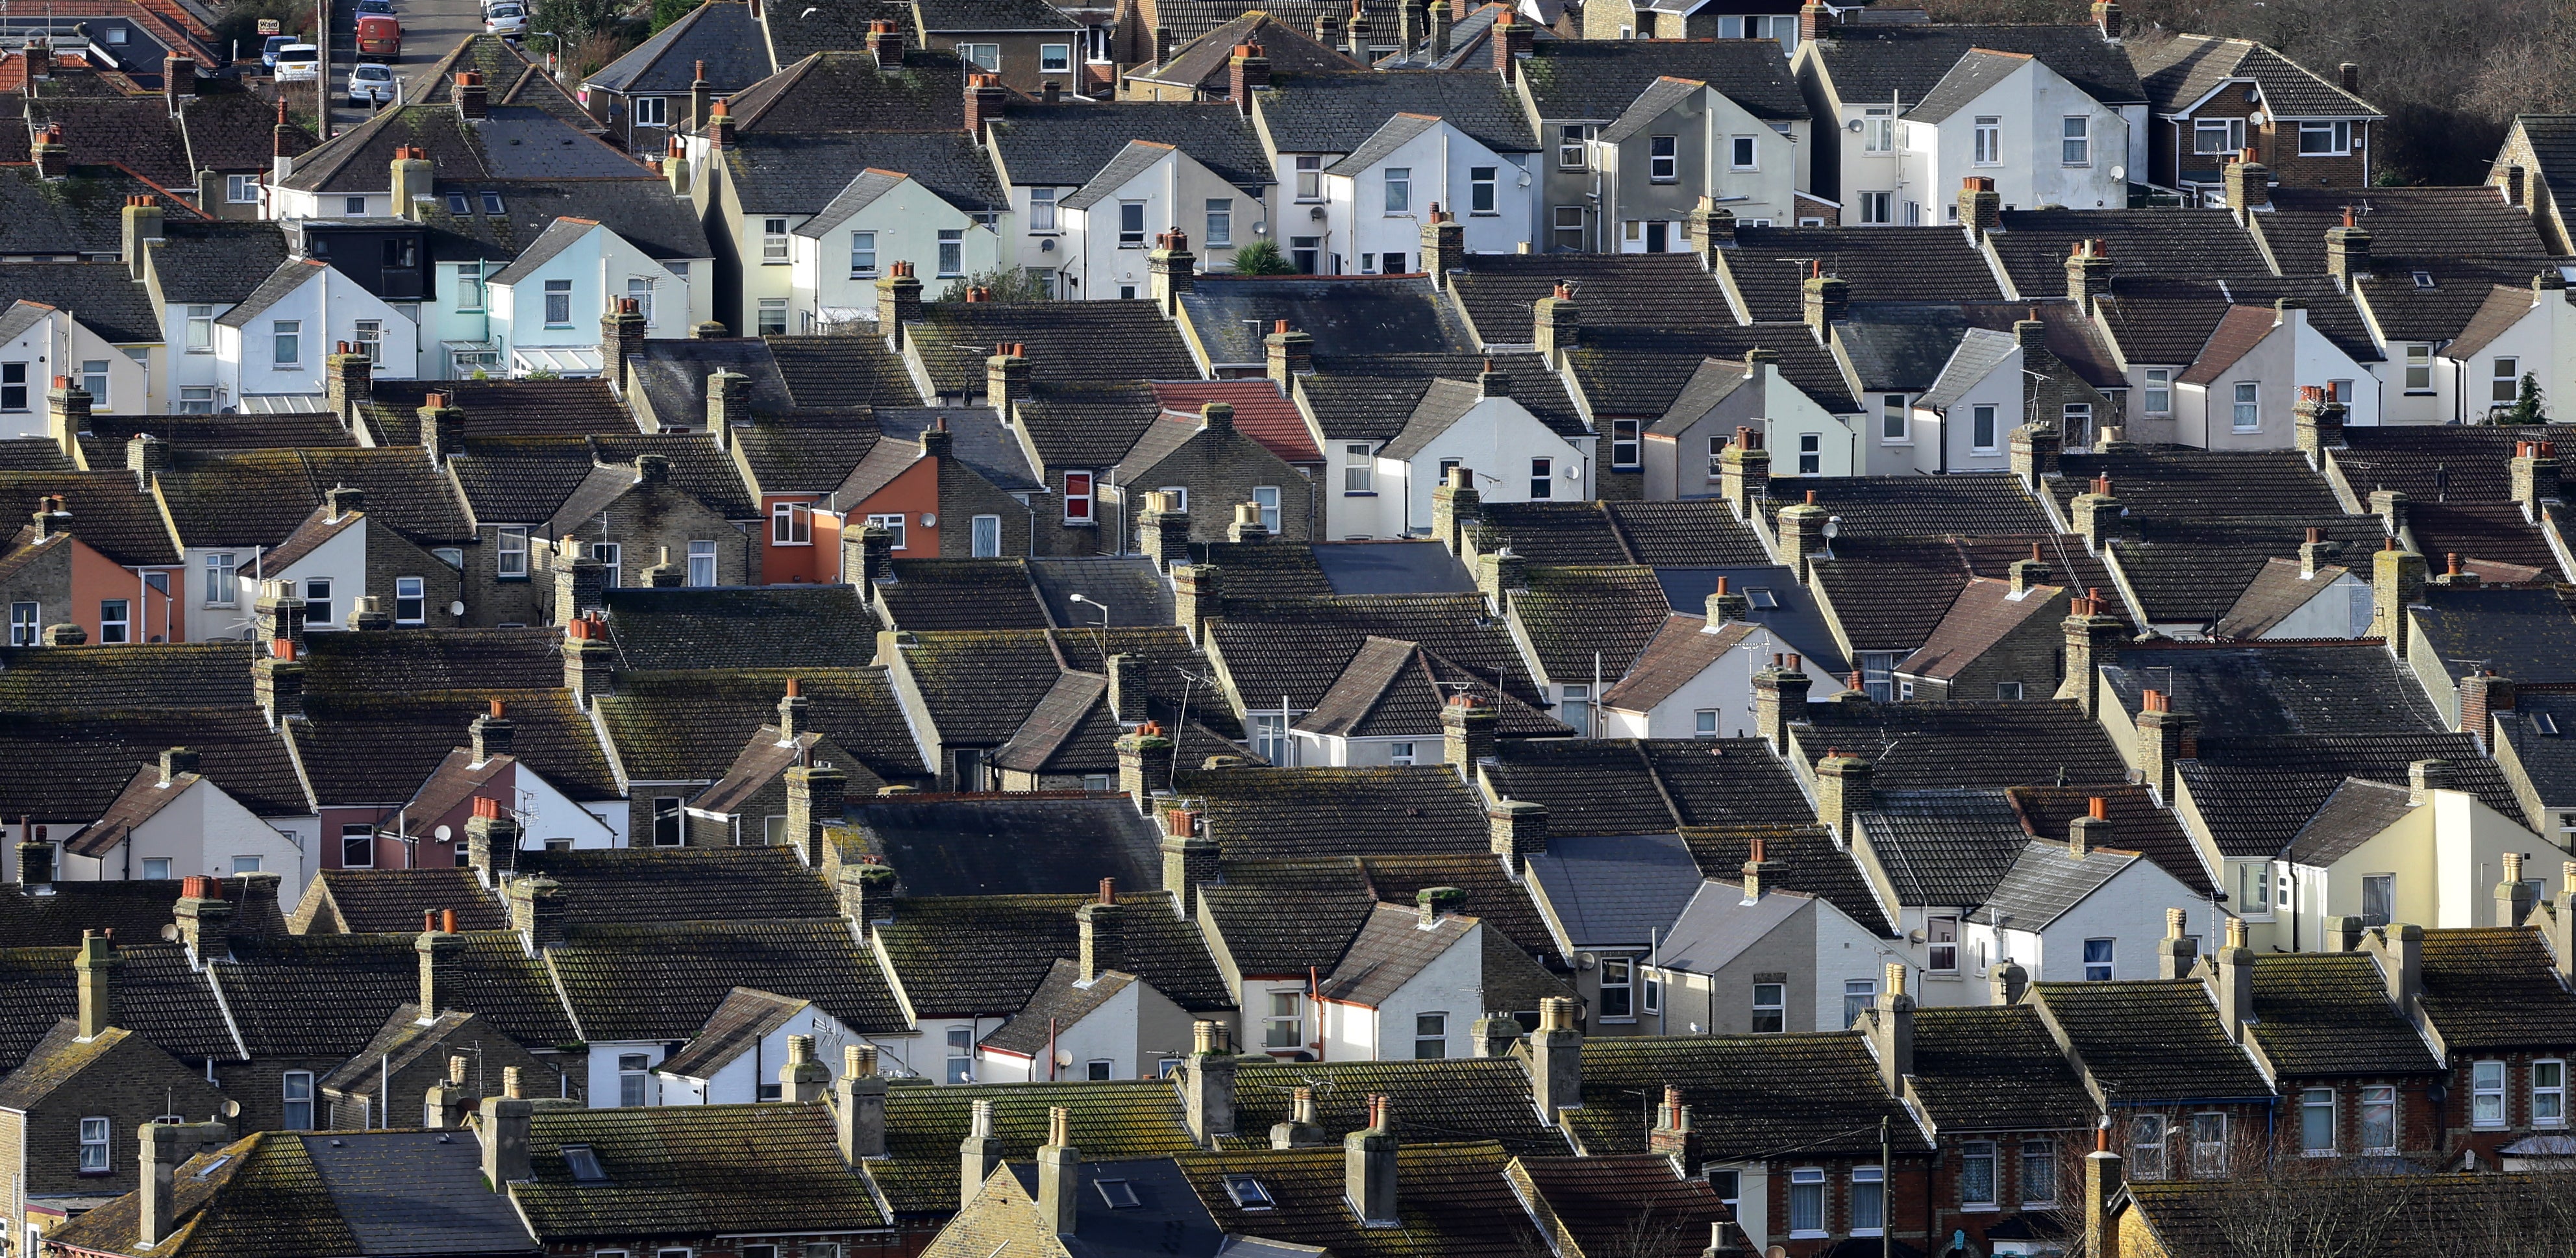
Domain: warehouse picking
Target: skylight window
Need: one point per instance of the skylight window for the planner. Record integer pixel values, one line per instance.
(1248, 1193)
(2548, 724)
(458, 205)
(491, 202)
(1762, 597)
(1117, 1192)
(584, 1164)
(2423, 279)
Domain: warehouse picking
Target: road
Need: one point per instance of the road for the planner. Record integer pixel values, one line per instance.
(431, 29)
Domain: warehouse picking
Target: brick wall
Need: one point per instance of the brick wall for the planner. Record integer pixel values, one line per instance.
(390, 555)
(1221, 469)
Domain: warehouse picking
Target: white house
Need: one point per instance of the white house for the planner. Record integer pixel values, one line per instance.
(1682, 447)
(1742, 959)
(2067, 913)
(171, 821)
(735, 1060)
(2518, 331)
(271, 349)
(1964, 422)
(2240, 393)
(881, 218)
(2302, 598)
(1377, 198)
(39, 342)
(1109, 1025)
(546, 305)
(1410, 987)
(1682, 140)
(2004, 116)
(1382, 709)
(1108, 225)
(1514, 455)
(1695, 678)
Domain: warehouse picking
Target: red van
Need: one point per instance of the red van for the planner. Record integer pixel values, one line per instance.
(379, 37)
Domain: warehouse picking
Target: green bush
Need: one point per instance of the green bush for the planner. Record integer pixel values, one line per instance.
(1262, 257)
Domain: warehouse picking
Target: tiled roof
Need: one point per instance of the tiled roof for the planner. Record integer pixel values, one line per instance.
(1994, 1069)
(1590, 621)
(1473, 1099)
(1634, 1203)
(328, 995)
(1273, 931)
(1067, 145)
(1881, 62)
(1062, 340)
(159, 996)
(1882, 264)
(934, 594)
(613, 885)
(2047, 881)
(215, 262)
(979, 686)
(2142, 244)
(2178, 70)
(1696, 534)
(70, 763)
(2152, 1041)
(1337, 113)
(1371, 397)
(686, 726)
(372, 901)
(77, 215)
(1975, 504)
(1965, 744)
(258, 497)
(106, 512)
(1944, 847)
(2328, 1014)
(743, 627)
(1273, 814)
(1140, 1118)
(1207, 59)
(377, 748)
(988, 954)
(746, 1015)
(2256, 690)
(1452, 1199)
(2458, 489)
(140, 907)
(1595, 80)
(1061, 1000)
(1392, 947)
(1803, 859)
(1985, 613)
(693, 1170)
(804, 171)
(1505, 906)
(840, 374)
(1171, 670)
(1300, 647)
(2137, 824)
(723, 37)
(998, 843)
(2491, 988)
(1751, 1096)
(658, 980)
(2254, 794)
(1396, 688)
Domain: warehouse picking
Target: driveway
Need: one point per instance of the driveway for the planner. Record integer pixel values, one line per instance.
(431, 29)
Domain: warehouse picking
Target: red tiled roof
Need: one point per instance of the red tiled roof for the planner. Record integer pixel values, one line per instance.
(1259, 413)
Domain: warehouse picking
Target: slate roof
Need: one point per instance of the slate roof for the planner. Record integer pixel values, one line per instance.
(378, 748)
(2147, 1042)
(1456, 1099)
(1751, 1096)
(1613, 892)
(1300, 647)
(2137, 824)
(2047, 881)
(1944, 847)
(1128, 1118)
(1208, 59)
(515, 142)
(746, 1015)
(1068, 145)
(2328, 1014)
(258, 497)
(1964, 744)
(1348, 315)
(1994, 1069)
(1275, 931)
(1679, 652)
(78, 215)
(1395, 688)
(1370, 398)
(1337, 113)
(928, 595)
(724, 37)
(990, 954)
(1581, 619)
(2144, 244)
(660, 980)
(2254, 690)
(2458, 488)
(1457, 1201)
(2178, 70)
(2490, 988)
(328, 995)
(694, 1170)
(1596, 80)
(1985, 612)
(1272, 814)
(953, 339)
(824, 626)
(1875, 62)
(1804, 859)
(2255, 794)
(999, 844)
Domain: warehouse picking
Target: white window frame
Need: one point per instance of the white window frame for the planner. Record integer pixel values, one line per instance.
(984, 536)
(115, 621)
(223, 579)
(863, 255)
(702, 562)
(2487, 1109)
(2147, 1139)
(1878, 130)
(1220, 223)
(286, 343)
(985, 57)
(1359, 468)
(634, 1080)
(1055, 58)
(952, 252)
(1081, 496)
(1983, 428)
(2109, 965)
(1868, 1182)
(773, 242)
(558, 295)
(363, 834)
(26, 619)
(411, 601)
(1399, 191)
(295, 1088)
(2245, 413)
(1704, 723)
(1542, 479)
(1619, 974)
(2038, 1185)
(2317, 1105)
(2075, 140)
(510, 552)
(2419, 369)
(1285, 1026)
(1973, 1153)
(893, 523)
(2504, 377)
(2230, 133)
(1430, 1036)
(96, 1137)
(2209, 1144)
(2337, 141)
(770, 319)
(1989, 142)
(1042, 212)
(1309, 170)
(242, 189)
(1771, 1005)
(2159, 391)
(2379, 1109)
(1941, 956)
(651, 111)
(1807, 1202)
(791, 524)
(1570, 148)
(1878, 209)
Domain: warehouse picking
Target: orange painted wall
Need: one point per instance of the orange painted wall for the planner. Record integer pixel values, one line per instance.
(95, 577)
(790, 565)
(914, 492)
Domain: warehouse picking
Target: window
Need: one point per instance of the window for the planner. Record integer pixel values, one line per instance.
(201, 329)
(773, 241)
(772, 317)
(1977, 1175)
(1891, 418)
(1626, 450)
(639, 289)
(354, 207)
(583, 1164)
(1990, 142)
(892, 523)
(1807, 1202)
(652, 111)
(1574, 708)
(2208, 1146)
(2507, 374)
(2486, 1094)
(1868, 1200)
(1042, 211)
(2159, 399)
(1542, 479)
(241, 189)
(1358, 469)
(961, 1055)
(1741, 153)
(1399, 189)
(1569, 228)
(1981, 428)
(792, 523)
(1270, 736)
(2147, 1146)
(702, 562)
(1650, 989)
(1055, 58)
(2325, 139)
(1569, 148)
(2038, 1172)
(411, 600)
(2419, 368)
(510, 555)
(1077, 498)
(245, 864)
(2379, 1117)
(952, 251)
(458, 204)
(1877, 209)
(357, 846)
(2218, 136)
(287, 343)
(2249, 405)
(298, 1095)
(2075, 147)
(1704, 723)
(317, 601)
(93, 1146)
(23, 630)
(1282, 1028)
(2097, 960)
(1810, 456)
(1858, 993)
(156, 868)
(1310, 178)
(982, 56)
(196, 399)
(1878, 674)
(13, 386)
(1248, 1194)
(1266, 497)
(371, 339)
(669, 820)
(1399, 753)
(1618, 989)
(469, 286)
(1430, 1036)
(94, 381)
(114, 620)
(2317, 1122)
(2378, 898)
(631, 1079)
(1663, 158)
(221, 584)
(558, 303)
(1220, 223)
(1770, 1008)
(1878, 129)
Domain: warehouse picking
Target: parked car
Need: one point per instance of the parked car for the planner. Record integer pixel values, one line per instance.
(505, 19)
(366, 7)
(370, 83)
(268, 54)
(298, 63)
(380, 37)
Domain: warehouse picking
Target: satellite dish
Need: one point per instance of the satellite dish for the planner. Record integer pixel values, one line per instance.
(1854, 126)
(1585, 961)
(456, 608)
(169, 932)
(443, 834)
(2119, 172)
(230, 1108)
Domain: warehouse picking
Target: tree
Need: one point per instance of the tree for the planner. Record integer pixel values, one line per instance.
(1262, 257)
(666, 12)
(2529, 407)
(1008, 284)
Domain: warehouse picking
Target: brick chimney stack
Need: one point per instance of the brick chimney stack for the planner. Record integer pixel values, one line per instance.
(1249, 72)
